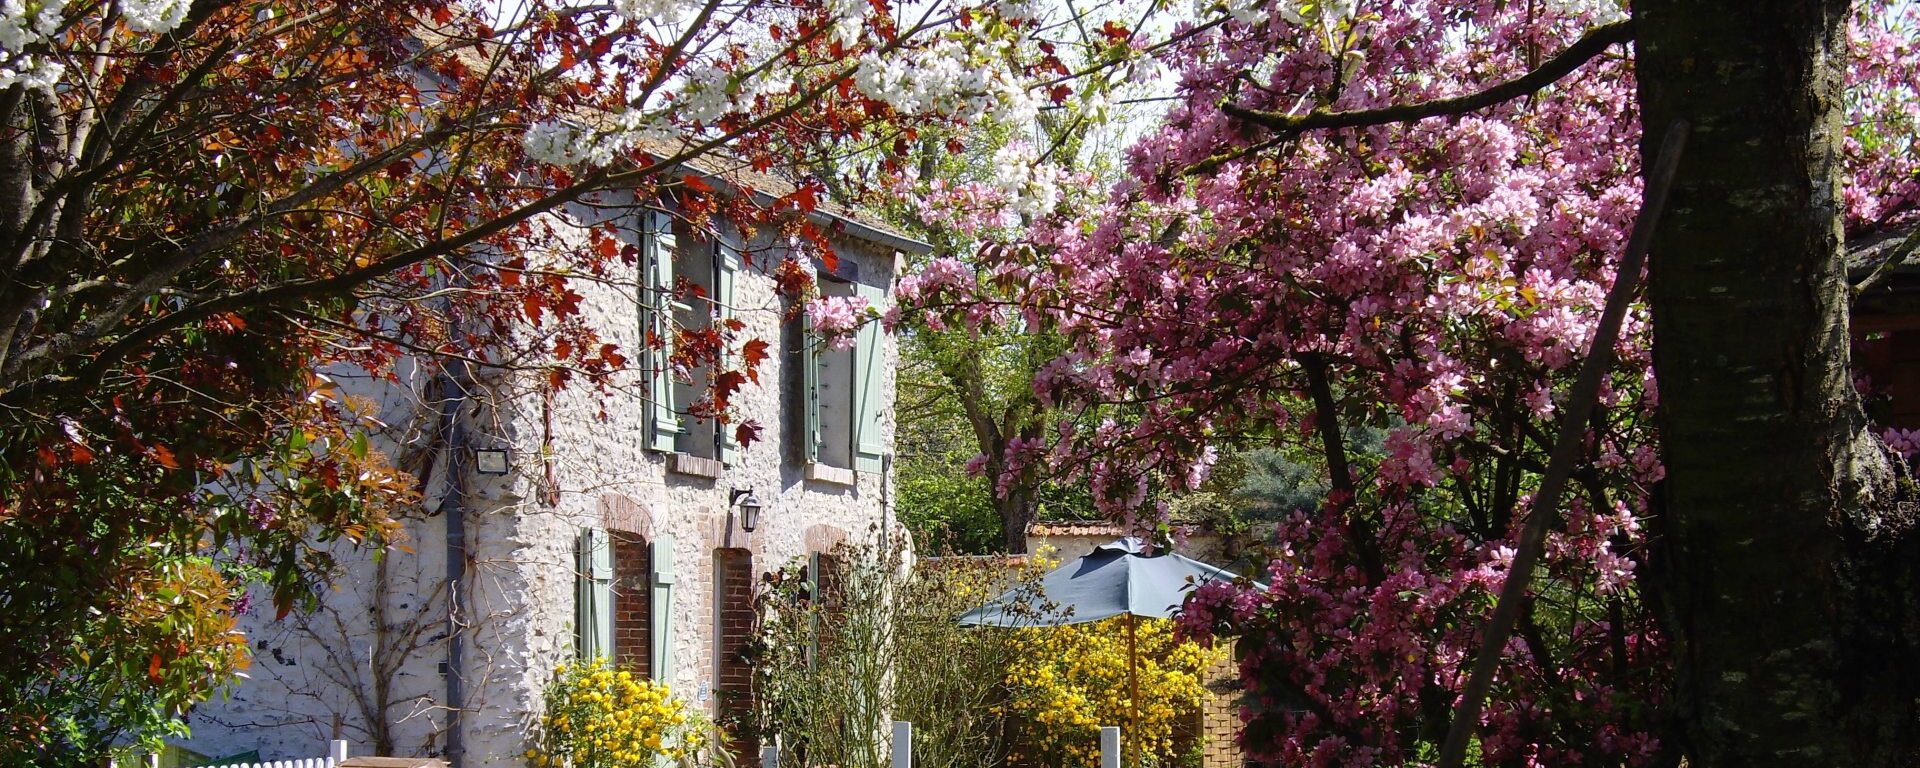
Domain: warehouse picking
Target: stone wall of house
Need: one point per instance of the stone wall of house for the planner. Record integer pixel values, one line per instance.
(370, 664)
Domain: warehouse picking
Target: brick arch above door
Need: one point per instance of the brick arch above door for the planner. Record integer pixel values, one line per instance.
(823, 538)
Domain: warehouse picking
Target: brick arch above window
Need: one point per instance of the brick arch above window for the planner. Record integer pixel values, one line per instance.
(621, 513)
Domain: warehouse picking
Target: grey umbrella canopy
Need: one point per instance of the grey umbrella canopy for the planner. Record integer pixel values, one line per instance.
(1115, 579)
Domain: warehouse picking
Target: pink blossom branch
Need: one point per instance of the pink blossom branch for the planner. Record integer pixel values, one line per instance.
(1580, 405)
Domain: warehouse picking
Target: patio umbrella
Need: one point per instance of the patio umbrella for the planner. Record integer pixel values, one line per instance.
(1115, 579)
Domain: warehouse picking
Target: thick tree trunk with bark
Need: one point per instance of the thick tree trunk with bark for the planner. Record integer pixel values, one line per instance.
(995, 428)
(1788, 559)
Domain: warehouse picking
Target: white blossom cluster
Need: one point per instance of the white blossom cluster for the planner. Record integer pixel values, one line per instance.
(558, 143)
(849, 19)
(709, 92)
(1251, 12)
(1032, 188)
(27, 23)
(1021, 10)
(24, 23)
(947, 79)
(662, 12)
(705, 93)
(1596, 11)
(156, 17)
(703, 98)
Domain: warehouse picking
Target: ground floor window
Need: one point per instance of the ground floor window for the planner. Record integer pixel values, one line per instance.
(632, 603)
(733, 620)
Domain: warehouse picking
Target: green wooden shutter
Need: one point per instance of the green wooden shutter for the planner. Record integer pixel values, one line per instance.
(726, 268)
(593, 599)
(813, 616)
(810, 362)
(870, 360)
(660, 624)
(656, 296)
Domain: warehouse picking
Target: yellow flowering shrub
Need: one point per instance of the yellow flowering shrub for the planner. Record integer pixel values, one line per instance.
(600, 717)
(1066, 682)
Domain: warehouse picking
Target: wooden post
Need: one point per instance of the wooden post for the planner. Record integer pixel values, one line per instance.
(902, 744)
(337, 751)
(1133, 685)
(1109, 747)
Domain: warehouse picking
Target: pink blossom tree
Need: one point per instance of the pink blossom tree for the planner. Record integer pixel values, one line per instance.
(1404, 215)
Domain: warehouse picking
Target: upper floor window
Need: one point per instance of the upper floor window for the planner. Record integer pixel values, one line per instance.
(687, 293)
(842, 390)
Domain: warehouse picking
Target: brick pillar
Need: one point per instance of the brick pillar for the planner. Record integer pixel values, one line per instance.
(1220, 715)
(733, 620)
(632, 603)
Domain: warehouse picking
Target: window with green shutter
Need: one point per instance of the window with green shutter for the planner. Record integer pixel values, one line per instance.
(661, 605)
(726, 271)
(696, 269)
(869, 394)
(593, 595)
(809, 363)
(657, 246)
(829, 389)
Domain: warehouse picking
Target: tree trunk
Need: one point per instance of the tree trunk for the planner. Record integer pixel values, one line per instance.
(1017, 512)
(1788, 559)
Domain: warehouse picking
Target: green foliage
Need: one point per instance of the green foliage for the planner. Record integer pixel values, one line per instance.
(950, 384)
(1277, 484)
(836, 658)
(947, 510)
(129, 536)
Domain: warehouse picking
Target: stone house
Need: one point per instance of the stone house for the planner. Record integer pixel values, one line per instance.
(583, 521)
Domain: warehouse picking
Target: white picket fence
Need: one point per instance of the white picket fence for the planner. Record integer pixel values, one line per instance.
(336, 754)
(311, 762)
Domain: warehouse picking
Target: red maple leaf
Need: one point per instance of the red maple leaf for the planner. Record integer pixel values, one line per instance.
(747, 433)
(805, 199)
(725, 385)
(752, 354)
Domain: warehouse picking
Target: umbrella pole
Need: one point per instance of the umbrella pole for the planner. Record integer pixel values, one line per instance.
(1133, 688)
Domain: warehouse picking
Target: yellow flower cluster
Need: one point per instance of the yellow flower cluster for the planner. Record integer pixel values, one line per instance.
(600, 717)
(1067, 682)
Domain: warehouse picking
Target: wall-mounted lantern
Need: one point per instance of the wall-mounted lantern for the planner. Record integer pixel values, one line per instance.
(749, 506)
